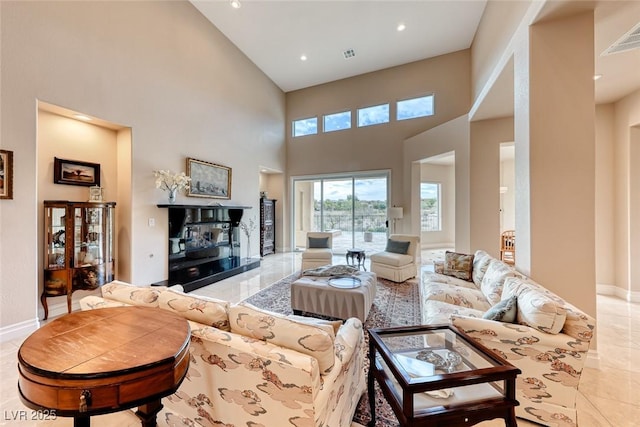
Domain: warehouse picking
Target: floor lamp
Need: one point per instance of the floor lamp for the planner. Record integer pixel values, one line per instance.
(395, 213)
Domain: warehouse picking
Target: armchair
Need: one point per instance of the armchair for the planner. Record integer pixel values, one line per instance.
(319, 250)
(392, 263)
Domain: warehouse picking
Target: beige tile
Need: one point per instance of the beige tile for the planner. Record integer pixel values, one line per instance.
(616, 413)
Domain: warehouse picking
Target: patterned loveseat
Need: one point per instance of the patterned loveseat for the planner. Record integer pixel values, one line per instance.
(255, 368)
(526, 324)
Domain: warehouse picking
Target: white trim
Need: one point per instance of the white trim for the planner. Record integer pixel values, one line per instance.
(593, 359)
(18, 330)
(624, 294)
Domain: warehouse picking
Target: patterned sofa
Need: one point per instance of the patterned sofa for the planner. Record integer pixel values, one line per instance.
(532, 328)
(250, 367)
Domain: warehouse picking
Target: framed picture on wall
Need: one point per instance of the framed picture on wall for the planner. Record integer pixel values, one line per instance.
(6, 174)
(208, 179)
(74, 172)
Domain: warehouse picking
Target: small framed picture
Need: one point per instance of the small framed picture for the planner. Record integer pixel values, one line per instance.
(73, 172)
(95, 194)
(6, 174)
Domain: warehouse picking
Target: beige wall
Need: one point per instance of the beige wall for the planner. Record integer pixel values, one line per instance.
(627, 195)
(605, 196)
(450, 136)
(376, 147)
(159, 68)
(507, 199)
(486, 137)
(445, 176)
(498, 25)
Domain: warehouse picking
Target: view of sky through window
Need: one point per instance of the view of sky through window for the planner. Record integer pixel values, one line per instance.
(373, 115)
(305, 126)
(415, 107)
(337, 121)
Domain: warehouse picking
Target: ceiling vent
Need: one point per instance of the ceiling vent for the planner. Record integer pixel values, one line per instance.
(629, 41)
(349, 53)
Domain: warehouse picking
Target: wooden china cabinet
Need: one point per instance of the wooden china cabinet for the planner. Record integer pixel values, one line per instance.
(78, 247)
(267, 226)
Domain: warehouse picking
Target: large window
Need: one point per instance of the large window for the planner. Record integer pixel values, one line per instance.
(415, 107)
(304, 127)
(430, 201)
(337, 121)
(374, 115)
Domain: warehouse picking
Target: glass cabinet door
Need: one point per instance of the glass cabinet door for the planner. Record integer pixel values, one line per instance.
(55, 256)
(92, 257)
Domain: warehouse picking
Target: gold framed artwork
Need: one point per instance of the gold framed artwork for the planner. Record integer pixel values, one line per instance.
(6, 174)
(208, 179)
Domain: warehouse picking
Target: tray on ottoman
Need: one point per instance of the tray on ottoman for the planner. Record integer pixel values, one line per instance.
(313, 294)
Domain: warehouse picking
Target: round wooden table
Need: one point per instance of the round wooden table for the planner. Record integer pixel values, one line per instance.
(106, 360)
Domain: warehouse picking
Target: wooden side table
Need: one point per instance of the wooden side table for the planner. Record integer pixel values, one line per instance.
(106, 360)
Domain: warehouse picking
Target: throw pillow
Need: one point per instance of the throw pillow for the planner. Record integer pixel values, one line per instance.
(318, 243)
(275, 328)
(438, 267)
(397, 247)
(481, 261)
(536, 308)
(458, 265)
(504, 311)
(493, 280)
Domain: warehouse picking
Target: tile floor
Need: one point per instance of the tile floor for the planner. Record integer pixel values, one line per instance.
(608, 396)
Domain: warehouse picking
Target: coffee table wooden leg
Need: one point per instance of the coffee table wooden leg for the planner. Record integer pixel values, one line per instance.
(371, 387)
(510, 421)
(81, 421)
(147, 413)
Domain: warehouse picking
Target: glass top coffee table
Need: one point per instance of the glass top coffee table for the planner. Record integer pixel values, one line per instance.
(438, 376)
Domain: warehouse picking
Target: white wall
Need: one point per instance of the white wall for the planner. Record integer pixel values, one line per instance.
(507, 199)
(159, 68)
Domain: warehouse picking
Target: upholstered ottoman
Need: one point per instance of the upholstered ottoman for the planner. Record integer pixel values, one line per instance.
(313, 294)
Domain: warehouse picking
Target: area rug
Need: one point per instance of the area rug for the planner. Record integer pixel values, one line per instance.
(395, 304)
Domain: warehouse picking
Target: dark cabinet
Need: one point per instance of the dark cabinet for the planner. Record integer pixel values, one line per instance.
(78, 248)
(267, 226)
(204, 245)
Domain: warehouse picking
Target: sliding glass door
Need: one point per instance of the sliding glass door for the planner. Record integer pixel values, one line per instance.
(352, 207)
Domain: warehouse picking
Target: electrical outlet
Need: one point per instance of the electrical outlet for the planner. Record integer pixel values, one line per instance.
(152, 222)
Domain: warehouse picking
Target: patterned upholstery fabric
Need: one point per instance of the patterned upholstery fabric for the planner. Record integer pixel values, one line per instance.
(430, 276)
(133, 295)
(305, 338)
(458, 265)
(551, 363)
(239, 380)
(481, 261)
(535, 308)
(493, 280)
(457, 295)
(208, 311)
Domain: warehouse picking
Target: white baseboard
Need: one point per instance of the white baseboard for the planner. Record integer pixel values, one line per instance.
(593, 359)
(18, 330)
(437, 245)
(632, 296)
(24, 329)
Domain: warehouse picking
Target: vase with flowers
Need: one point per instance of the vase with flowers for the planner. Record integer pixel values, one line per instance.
(247, 228)
(171, 182)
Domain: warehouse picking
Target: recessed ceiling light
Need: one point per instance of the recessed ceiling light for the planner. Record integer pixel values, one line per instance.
(597, 77)
(235, 4)
(82, 117)
(401, 27)
(303, 57)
